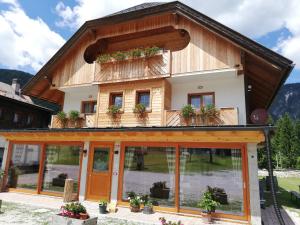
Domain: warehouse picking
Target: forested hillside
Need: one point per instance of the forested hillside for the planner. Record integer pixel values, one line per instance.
(6, 76)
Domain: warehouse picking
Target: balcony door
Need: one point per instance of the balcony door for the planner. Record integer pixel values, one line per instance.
(99, 172)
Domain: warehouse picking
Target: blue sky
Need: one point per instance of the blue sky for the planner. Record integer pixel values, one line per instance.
(32, 31)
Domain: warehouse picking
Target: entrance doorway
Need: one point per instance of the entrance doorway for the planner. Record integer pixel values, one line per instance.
(99, 172)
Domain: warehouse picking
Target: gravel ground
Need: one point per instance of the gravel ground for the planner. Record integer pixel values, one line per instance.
(280, 173)
(19, 214)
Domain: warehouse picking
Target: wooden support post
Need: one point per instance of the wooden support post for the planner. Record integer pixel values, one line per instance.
(68, 190)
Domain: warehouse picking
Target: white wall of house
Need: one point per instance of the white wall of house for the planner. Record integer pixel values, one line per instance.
(75, 95)
(253, 184)
(227, 85)
(3, 144)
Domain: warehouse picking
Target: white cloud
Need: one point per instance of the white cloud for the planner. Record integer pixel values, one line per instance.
(25, 42)
(253, 18)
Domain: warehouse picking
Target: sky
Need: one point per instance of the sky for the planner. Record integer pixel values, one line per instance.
(31, 31)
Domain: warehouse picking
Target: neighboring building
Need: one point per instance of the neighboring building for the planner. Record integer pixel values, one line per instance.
(18, 111)
(199, 62)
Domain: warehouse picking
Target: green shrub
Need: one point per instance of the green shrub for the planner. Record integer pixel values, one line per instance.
(73, 115)
(151, 51)
(62, 116)
(103, 58)
(119, 56)
(207, 202)
(187, 111)
(114, 110)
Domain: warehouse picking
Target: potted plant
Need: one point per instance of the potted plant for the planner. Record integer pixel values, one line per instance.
(140, 110)
(148, 206)
(119, 56)
(73, 213)
(163, 221)
(102, 206)
(135, 53)
(62, 118)
(114, 111)
(187, 112)
(135, 203)
(103, 58)
(74, 118)
(151, 51)
(208, 204)
(208, 114)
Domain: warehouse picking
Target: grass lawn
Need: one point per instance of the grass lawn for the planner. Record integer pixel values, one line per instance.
(284, 197)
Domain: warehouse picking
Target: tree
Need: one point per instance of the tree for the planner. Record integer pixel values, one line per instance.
(285, 142)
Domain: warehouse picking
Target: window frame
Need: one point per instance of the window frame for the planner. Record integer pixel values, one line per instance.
(114, 94)
(137, 95)
(201, 95)
(92, 103)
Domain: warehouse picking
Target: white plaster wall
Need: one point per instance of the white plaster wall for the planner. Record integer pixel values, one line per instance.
(4, 144)
(227, 85)
(84, 168)
(75, 95)
(253, 185)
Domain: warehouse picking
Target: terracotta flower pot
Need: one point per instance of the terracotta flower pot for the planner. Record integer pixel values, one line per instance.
(135, 208)
(84, 216)
(207, 218)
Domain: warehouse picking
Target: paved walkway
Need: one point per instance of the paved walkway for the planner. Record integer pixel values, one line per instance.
(269, 217)
(53, 204)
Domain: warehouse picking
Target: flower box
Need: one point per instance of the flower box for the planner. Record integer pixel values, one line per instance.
(62, 220)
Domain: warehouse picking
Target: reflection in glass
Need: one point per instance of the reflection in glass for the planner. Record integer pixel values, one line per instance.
(24, 166)
(150, 171)
(220, 169)
(101, 159)
(61, 163)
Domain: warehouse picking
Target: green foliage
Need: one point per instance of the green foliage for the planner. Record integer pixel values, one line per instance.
(209, 111)
(140, 109)
(207, 202)
(187, 111)
(62, 116)
(74, 115)
(135, 53)
(102, 203)
(75, 207)
(6, 76)
(286, 142)
(114, 110)
(151, 51)
(262, 159)
(135, 201)
(119, 56)
(103, 58)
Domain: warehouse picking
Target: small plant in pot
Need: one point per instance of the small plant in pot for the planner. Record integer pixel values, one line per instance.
(74, 210)
(114, 111)
(209, 205)
(102, 207)
(135, 203)
(62, 118)
(140, 111)
(148, 206)
(187, 112)
(74, 117)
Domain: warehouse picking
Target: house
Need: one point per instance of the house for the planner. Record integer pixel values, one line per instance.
(130, 74)
(18, 111)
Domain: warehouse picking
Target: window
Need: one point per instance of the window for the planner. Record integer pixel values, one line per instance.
(61, 163)
(88, 107)
(17, 117)
(24, 166)
(150, 171)
(116, 99)
(29, 119)
(143, 97)
(201, 99)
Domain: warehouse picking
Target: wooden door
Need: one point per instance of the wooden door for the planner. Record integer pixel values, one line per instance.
(99, 172)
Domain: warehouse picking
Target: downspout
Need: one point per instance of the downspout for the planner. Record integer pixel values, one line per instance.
(272, 183)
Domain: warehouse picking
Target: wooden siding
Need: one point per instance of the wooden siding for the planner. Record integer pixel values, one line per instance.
(127, 117)
(206, 51)
(228, 116)
(157, 66)
(87, 120)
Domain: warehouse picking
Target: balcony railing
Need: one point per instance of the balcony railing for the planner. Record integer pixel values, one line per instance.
(156, 66)
(87, 120)
(227, 116)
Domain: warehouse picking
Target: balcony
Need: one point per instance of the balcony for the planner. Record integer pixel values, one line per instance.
(85, 120)
(227, 116)
(141, 68)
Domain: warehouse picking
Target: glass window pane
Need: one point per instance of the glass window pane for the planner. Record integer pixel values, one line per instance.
(150, 171)
(208, 100)
(195, 101)
(118, 99)
(144, 98)
(61, 163)
(221, 169)
(101, 160)
(24, 166)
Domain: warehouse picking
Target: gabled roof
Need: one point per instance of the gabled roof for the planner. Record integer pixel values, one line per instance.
(147, 9)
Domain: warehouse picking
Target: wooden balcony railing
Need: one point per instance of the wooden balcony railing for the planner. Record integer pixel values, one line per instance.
(87, 120)
(156, 66)
(227, 116)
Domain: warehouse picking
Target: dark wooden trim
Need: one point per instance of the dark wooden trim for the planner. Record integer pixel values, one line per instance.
(88, 101)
